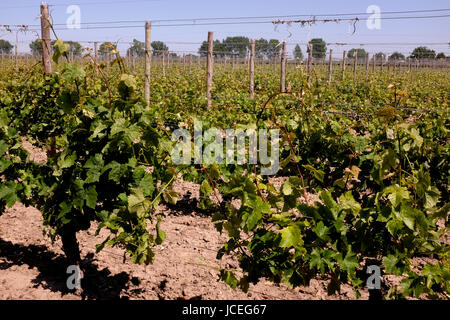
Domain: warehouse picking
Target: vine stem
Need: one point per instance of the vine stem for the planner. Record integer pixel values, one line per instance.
(212, 183)
(272, 97)
(165, 187)
(295, 161)
(257, 187)
(105, 79)
(286, 133)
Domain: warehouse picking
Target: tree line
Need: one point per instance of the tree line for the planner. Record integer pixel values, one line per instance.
(319, 50)
(238, 46)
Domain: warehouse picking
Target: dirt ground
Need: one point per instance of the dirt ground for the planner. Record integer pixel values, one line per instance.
(185, 267)
(31, 267)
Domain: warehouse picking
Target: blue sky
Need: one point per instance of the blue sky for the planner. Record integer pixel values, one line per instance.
(415, 31)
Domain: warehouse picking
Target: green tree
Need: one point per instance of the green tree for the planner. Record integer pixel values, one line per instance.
(137, 49)
(397, 56)
(441, 55)
(261, 48)
(36, 47)
(423, 53)
(218, 49)
(361, 53)
(235, 46)
(298, 54)
(159, 47)
(273, 49)
(5, 46)
(106, 47)
(380, 56)
(319, 48)
(203, 50)
(74, 47)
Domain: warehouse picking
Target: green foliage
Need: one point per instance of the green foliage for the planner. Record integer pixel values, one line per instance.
(376, 180)
(362, 54)
(60, 49)
(75, 48)
(238, 47)
(319, 48)
(380, 56)
(137, 49)
(294, 242)
(298, 54)
(5, 46)
(101, 170)
(397, 56)
(423, 53)
(36, 47)
(158, 48)
(69, 46)
(107, 48)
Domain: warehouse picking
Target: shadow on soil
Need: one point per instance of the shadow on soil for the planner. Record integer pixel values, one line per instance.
(188, 206)
(96, 284)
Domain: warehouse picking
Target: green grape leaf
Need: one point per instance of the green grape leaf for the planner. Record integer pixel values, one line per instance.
(160, 234)
(291, 237)
(347, 202)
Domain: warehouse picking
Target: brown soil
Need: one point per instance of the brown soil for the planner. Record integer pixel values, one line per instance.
(185, 267)
(31, 267)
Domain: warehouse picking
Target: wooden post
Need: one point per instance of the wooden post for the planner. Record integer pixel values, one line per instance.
(283, 68)
(233, 61)
(309, 67)
(16, 58)
(367, 65)
(373, 63)
(382, 63)
(108, 58)
(330, 66)
(164, 63)
(148, 61)
(409, 64)
(252, 69)
(389, 64)
(344, 61)
(355, 64)
(184, 61)
(209, 68)
(95, 51)
(96, 56)
(190, 62)
(133, 63)
(45, 37)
